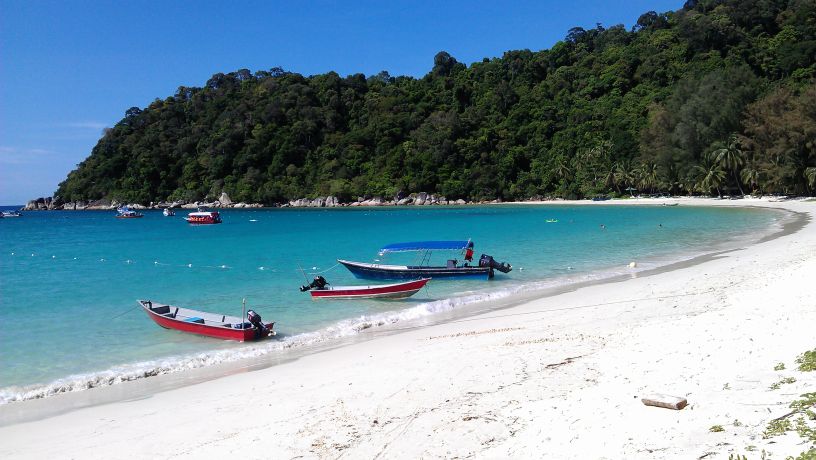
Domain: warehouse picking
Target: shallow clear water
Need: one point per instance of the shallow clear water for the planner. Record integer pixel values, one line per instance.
(69, 280)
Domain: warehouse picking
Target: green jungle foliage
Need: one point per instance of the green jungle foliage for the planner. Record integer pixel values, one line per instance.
(716, 98)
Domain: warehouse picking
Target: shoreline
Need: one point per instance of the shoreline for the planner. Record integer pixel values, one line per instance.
(416, 199)
(181, 370)
(513, 321)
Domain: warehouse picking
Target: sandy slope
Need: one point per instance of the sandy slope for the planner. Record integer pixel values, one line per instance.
(558, 377)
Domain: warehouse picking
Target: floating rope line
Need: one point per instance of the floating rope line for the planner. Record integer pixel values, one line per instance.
(190, 265)
(324, 271)
(126, 311)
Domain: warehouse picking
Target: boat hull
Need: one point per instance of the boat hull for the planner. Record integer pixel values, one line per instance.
(388, 291)
(402, 272)
(219, 332)
(198, 222)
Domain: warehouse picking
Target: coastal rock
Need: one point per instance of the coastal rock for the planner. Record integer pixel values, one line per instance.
(224, 199)
(460, 201)
(101, 205)
(319, 202)
(376, 201)
(421, 197)
(405, 201)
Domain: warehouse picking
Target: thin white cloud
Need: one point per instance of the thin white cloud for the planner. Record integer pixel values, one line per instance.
(17, 156)
(86, 125)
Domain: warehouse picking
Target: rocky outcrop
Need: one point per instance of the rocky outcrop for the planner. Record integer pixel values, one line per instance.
(319, 202)
(38, 204)
(414, 199)
(44, 204)
(224, 199)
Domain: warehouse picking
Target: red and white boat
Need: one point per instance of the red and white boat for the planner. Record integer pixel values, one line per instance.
(320, 289)
(209, 324)
(203, 217)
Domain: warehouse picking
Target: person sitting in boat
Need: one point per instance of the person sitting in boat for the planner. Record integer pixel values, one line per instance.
(469, 253)
(318, 283)
(255, 320)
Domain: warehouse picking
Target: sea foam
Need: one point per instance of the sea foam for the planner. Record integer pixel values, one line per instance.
(334, 332)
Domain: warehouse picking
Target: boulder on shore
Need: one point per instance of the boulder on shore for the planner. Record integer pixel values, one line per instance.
(224, 199)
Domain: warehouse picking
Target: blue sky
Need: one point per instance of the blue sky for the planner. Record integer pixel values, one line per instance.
(68, 69)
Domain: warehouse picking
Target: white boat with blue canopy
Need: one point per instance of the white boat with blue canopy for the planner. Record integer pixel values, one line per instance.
(484, 269)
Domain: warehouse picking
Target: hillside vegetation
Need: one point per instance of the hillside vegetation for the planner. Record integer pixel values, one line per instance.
(717, 97)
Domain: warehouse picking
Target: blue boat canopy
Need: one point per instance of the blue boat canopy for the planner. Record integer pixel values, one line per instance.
(424, 246)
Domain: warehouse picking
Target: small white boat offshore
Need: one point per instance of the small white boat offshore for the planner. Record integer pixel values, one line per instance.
(168, 212)
(126, 213)
(11, 214)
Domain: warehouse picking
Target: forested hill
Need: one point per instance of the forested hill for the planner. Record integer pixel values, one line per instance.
(718, 96)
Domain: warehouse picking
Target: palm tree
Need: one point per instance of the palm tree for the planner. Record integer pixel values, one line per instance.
(810, 175)
(709, 174)
(562, 171)
(648, 173)
(751, 175)
(624, 174)
(731, 157)
(776, 173)
(609, 178)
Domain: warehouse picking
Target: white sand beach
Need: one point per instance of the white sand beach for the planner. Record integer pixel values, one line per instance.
(556, 377)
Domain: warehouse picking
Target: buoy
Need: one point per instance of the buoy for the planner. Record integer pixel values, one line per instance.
(101, 260)
(223, 266)
(53, 257)
(521, 269)
(260, 268)
(632, 264)
(189, 265)
(12, 253)
(155, 262)
(128, 261)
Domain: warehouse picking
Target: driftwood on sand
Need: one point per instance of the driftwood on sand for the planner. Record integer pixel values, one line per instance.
(666, 401)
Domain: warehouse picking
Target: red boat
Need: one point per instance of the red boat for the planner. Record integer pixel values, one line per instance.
(320, 289)
(209, 324)
(203, 217)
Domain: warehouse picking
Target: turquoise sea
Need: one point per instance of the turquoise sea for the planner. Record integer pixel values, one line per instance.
(69, 281)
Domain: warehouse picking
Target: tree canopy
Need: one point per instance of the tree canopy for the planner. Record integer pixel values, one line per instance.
(715, 97)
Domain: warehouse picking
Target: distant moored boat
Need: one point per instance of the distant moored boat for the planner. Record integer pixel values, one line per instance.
(203, 217)
(126, 213)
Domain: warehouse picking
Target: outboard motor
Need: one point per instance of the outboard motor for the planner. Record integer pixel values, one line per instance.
(318, 283)
(488, 261)
(255, 320)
